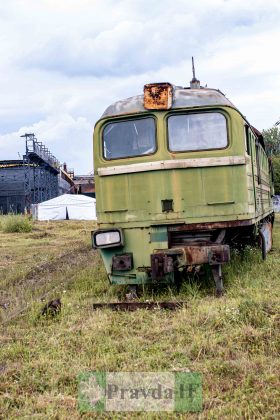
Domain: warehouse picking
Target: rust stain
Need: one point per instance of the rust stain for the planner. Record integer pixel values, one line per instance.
(212, 254)
(213, 225)
(161, 264)
(169, 260)
(123, 262)
(158, 96)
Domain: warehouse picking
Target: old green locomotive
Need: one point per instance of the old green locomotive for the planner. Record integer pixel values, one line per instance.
(180, 174)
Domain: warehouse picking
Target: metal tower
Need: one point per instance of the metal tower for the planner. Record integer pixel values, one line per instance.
(41, 171)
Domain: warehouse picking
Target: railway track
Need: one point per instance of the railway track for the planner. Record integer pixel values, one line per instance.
(134, 306)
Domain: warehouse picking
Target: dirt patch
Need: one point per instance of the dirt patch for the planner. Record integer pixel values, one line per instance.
(43, 280)
(41, 235)
(68, 258)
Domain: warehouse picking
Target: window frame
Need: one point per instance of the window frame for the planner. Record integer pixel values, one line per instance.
(247, 139)
(131, 118)
(212, 111)
(258, 152)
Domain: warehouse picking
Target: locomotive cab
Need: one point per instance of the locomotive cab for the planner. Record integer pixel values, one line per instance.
(179, 173)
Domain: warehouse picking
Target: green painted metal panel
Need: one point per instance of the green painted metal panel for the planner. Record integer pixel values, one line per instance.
(159, 235)
(196, 192)
(133, 201)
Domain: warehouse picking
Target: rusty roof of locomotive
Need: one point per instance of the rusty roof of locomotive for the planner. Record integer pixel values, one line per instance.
(182, 98)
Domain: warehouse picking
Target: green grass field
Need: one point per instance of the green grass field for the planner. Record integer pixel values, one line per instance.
(233, 341)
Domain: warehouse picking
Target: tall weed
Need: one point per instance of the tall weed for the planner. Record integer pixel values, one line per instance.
(13, 223)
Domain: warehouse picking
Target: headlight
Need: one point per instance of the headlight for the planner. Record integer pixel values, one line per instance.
(107, 238)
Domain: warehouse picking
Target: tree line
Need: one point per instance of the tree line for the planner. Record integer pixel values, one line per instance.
(271, 138)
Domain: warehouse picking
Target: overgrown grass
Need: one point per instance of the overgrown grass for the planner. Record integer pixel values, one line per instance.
(15, 223)
(233, 341)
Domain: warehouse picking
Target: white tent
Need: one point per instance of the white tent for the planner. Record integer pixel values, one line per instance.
(67, 206)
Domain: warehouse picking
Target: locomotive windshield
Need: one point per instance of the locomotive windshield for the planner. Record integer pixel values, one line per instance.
(129, 138)
(203, 131)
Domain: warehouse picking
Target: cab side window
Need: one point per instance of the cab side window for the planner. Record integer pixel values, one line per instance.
(258, 159)
(247, 139)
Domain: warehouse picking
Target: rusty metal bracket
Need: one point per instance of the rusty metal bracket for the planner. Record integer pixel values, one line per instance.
(203, 254)
(122, 262)
(161, 264)
(218, 278)
(219, 255)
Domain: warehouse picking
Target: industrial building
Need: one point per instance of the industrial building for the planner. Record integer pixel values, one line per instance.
(84, 184)
(35, 178)
(66, 183)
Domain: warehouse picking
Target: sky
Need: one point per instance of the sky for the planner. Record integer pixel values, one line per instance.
(62, 62)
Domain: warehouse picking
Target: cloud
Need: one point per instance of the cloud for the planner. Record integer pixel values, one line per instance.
(62, 63)
(147, 39)
(62, 134)
(131, 47)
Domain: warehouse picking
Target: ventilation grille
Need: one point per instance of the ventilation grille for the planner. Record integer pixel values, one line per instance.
(183, 238)
(167, 205)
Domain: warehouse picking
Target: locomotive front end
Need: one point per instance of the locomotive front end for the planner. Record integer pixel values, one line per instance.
(174, 181)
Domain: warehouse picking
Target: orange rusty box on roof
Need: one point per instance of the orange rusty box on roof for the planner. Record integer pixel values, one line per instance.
(158, 96)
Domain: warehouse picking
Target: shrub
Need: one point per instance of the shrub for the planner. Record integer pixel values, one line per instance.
(276, 169)
(16, 223)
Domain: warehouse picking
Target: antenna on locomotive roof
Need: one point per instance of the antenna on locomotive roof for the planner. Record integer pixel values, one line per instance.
(194, 83)
(193, 69)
